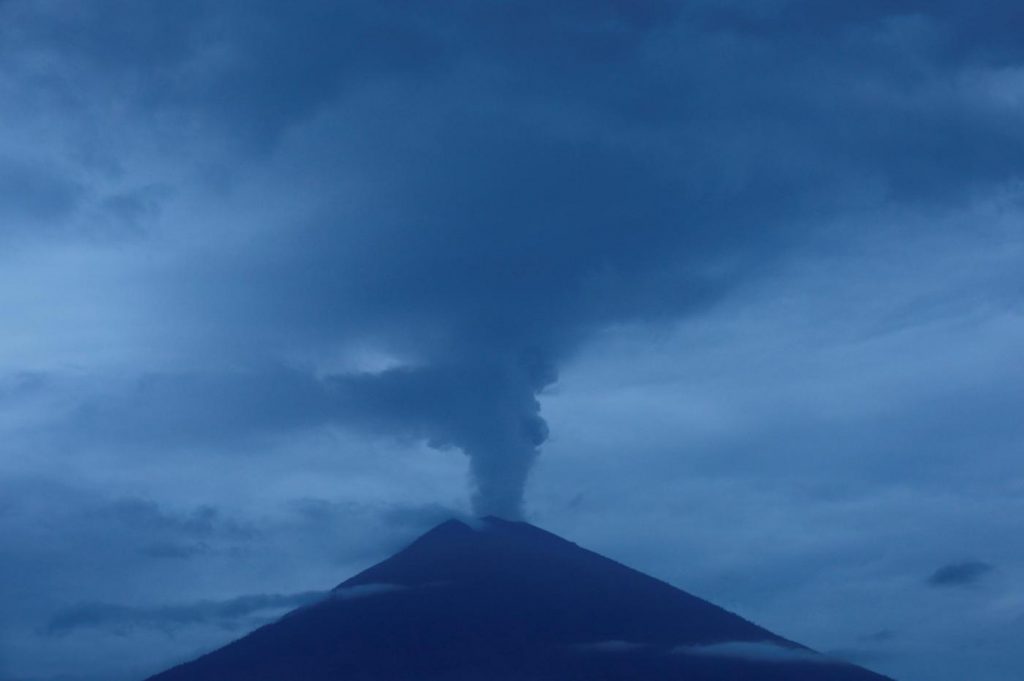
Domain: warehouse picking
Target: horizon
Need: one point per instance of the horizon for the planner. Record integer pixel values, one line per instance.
(729, 292)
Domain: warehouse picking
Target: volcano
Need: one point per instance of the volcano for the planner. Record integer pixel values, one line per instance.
(506, 601)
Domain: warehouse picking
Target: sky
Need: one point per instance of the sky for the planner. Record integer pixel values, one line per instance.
(731, 292)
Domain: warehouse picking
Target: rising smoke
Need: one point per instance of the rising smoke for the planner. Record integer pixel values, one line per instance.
(489, 411)
(478, 188)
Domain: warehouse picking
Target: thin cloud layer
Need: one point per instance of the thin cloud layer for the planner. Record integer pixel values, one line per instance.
(229, 614)
(365, 591)
(760, 651)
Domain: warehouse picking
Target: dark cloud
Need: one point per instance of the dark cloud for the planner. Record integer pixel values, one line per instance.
(21, 385)
(247, 70)
(960, 574)
(443, 405)
(210, 406)
(500, 183)
(126, 213)
(947, 29)
(420, 517)
(880, 636)
(146, 518)
(174, 551)
(229, 614)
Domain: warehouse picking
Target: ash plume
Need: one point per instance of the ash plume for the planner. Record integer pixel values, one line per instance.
(477, 190)
(490, 412)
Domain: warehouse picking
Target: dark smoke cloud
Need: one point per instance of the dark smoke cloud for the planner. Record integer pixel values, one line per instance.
(493, 184)
(490, 412)
(960, 574)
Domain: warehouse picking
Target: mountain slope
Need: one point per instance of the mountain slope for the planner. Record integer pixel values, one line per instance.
(508, 601)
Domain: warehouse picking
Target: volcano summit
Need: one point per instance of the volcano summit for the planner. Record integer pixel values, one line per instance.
(507, 601)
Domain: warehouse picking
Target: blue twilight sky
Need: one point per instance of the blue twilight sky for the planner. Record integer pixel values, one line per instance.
(733, 291)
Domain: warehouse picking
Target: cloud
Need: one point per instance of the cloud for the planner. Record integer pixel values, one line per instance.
(174, 551)
(130, 585)
(759, 651)
(230, 613)
(358, 591)
(880, 636)
(197, 407)
(960, 574)
(523, 209)
(123, 619)
(442, 405)
(34, 196)
(175, 60)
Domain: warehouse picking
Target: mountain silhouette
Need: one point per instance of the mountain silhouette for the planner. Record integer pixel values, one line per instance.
(506, 601)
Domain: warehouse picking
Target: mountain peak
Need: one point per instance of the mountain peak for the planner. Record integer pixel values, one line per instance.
(502, 599)
(484, 550)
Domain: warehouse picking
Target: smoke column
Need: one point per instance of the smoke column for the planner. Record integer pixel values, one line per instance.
(489, 411)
